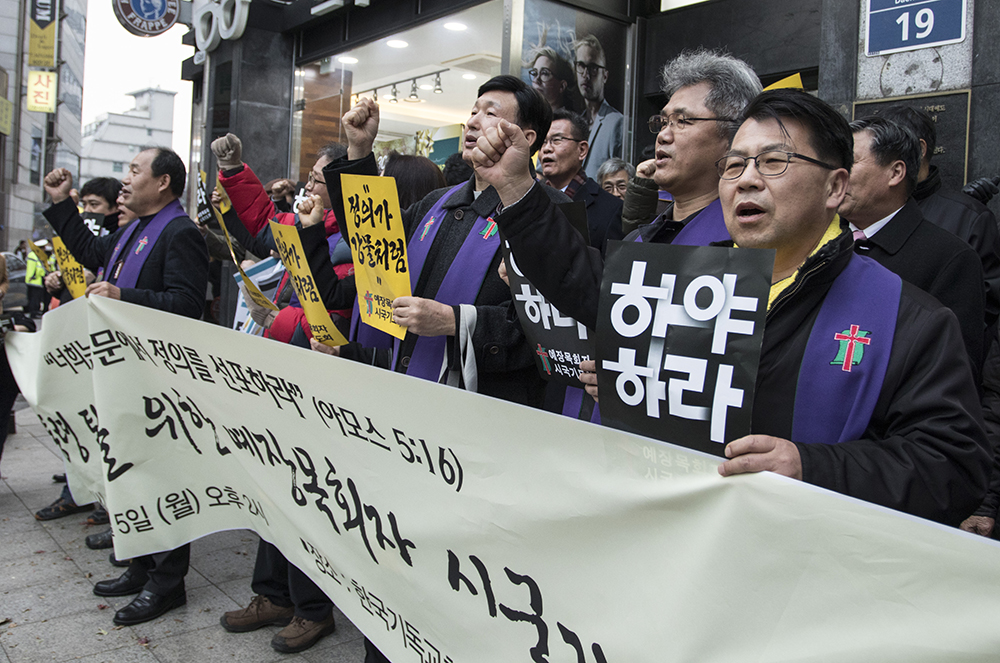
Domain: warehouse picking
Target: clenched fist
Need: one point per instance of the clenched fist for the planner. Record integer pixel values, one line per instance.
(228, 151)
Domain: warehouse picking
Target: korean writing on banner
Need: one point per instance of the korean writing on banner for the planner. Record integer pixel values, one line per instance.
(42, 87)
(42, 33)
(678, 340)
(374, 226)
(95, 223)
(71, 270)
(258, 297)
(293, 257)
(445, 531)
(560, 343)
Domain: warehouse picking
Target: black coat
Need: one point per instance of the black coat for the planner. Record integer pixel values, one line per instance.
(971, 221)
(504, 360)
(604, 213)
(174, 277)
(938, 263)
(924, 451)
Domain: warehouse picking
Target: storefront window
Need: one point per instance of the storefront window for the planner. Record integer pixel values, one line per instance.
(436, 69)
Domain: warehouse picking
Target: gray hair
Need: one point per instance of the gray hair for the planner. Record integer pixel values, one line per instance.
(614, 165)
(734, 83)
(332, 151)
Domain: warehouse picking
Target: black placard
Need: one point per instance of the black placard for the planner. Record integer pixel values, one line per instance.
(679, 333)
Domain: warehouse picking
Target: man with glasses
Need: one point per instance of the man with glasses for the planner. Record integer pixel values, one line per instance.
(606, 135)
(561, 159)
(863, 385)
(614, 175)
(283, 595)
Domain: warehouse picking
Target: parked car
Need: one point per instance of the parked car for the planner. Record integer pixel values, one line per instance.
(17, 295)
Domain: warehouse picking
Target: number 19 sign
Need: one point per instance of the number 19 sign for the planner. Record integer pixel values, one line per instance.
(906, 25)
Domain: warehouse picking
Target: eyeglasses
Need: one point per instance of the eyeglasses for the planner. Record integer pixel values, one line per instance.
(621, 187)
(557, 140)
(542, 74)
(315, 180)
(679, 121)
(769, 164)
(588, 68)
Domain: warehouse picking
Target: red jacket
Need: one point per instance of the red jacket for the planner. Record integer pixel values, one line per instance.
(255, 209)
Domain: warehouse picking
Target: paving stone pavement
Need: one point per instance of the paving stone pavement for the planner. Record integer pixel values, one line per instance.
(49, 613)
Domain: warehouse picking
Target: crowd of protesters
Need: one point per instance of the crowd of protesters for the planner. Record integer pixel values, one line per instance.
(847, 208)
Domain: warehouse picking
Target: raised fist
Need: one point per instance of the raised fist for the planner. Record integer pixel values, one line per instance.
(311, 211)
(58, 184)
(228, 151)
(361, 127)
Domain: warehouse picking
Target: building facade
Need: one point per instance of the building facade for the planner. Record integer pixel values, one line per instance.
(38, 141)
(111, 142)
(289, 71)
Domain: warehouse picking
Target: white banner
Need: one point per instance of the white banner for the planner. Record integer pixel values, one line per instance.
(449, 526)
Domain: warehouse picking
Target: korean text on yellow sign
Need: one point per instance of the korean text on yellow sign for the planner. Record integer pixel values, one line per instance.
(42, 87)
(378, 247)
(71, 270)
(293, 257)
(258, 297)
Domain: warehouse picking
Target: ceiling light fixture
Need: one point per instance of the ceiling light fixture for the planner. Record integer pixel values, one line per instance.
(469, 77)
(347, 59)
(437, 83)
(396, 43)
(413, 98)
(455, 27)
(393, 95)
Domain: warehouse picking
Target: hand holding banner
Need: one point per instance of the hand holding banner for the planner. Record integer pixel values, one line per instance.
(292, 255)
(71, 270)
(375, 228)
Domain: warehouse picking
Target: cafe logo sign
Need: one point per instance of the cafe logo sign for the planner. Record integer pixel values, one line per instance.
(147, 18)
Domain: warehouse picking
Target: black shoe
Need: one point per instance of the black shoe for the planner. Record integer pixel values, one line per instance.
(125, 584)
(60, 508)
(58, 478)
(148, 606)
(99, 541)
(99, 517)
(121, 563)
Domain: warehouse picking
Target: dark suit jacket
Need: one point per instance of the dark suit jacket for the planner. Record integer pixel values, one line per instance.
(174, 276)
(938, 263)
(604, 213)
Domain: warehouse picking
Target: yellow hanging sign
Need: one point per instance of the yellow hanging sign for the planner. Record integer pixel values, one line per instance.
(293, 257)
(42, 91)
(374, 225)
(70, 269)
(258, 297)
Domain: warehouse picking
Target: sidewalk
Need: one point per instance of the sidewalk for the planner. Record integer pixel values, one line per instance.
(47, 609)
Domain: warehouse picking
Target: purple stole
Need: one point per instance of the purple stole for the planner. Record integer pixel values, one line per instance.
(708, 226)
(461, 285)
(134, 261)
(837, 390)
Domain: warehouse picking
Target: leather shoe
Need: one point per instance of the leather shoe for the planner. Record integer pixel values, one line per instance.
(99, 541)
(148, 606)
(60, 508)
(122, 563)
(301, 634)
(99, 517)
(127, 583)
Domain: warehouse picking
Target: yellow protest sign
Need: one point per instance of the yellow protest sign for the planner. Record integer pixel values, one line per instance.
(225, 204)
(378, 247)
(293, 257)
(40, 254)
(72, 271)
(258, 297)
